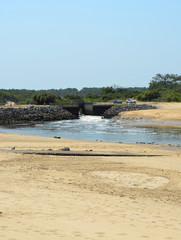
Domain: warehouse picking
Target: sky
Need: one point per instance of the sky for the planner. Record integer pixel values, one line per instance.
(46, 44)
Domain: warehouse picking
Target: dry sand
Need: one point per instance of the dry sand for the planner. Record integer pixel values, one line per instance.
(89, 198)
(166, 115)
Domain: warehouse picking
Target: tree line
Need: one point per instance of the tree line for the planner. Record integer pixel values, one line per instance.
(162, 87)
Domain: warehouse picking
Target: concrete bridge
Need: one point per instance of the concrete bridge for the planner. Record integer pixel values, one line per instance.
(87, 108)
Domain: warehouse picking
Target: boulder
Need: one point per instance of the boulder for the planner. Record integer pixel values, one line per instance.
(37, 114)
(115, 110)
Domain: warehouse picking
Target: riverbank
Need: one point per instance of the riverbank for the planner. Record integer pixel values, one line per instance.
(87, 197)
(166, 115)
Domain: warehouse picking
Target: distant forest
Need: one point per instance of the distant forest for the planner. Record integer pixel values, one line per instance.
(161, 88)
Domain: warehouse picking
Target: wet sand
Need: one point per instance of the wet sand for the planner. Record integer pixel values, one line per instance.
(89, 197)
(166, 115)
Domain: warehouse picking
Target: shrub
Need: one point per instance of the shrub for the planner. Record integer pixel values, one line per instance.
(44, 98)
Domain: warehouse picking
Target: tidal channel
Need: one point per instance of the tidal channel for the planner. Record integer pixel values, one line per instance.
(97, 129)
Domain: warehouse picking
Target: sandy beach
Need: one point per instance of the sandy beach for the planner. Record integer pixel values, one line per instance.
(88, 197)
(134, 196)
(166, 115)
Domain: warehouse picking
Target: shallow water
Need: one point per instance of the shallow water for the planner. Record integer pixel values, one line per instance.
(96, 128)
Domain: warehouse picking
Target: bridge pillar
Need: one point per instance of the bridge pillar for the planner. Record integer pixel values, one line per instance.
(88, 108)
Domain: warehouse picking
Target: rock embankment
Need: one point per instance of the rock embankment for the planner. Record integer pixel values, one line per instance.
(37, 114)
(115, 110)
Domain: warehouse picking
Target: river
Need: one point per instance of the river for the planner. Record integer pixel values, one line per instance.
(96, 128)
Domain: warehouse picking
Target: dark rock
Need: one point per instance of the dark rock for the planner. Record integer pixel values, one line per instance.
(65, 149)
(31, 115)
(115, 110)
(57, 137)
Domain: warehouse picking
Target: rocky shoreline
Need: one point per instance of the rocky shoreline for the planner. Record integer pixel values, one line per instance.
(41, 114)
(115, 110)
(33, 114)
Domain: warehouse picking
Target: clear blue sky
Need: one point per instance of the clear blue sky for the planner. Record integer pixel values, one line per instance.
(88, 43)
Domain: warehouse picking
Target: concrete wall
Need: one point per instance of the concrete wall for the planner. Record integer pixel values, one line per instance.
(99, 110)
(88, 109)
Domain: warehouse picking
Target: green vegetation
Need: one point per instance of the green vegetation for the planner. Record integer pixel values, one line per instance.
(161, 88)
(6, 96)
(110, 93)
(22, 96)
(44, 98)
